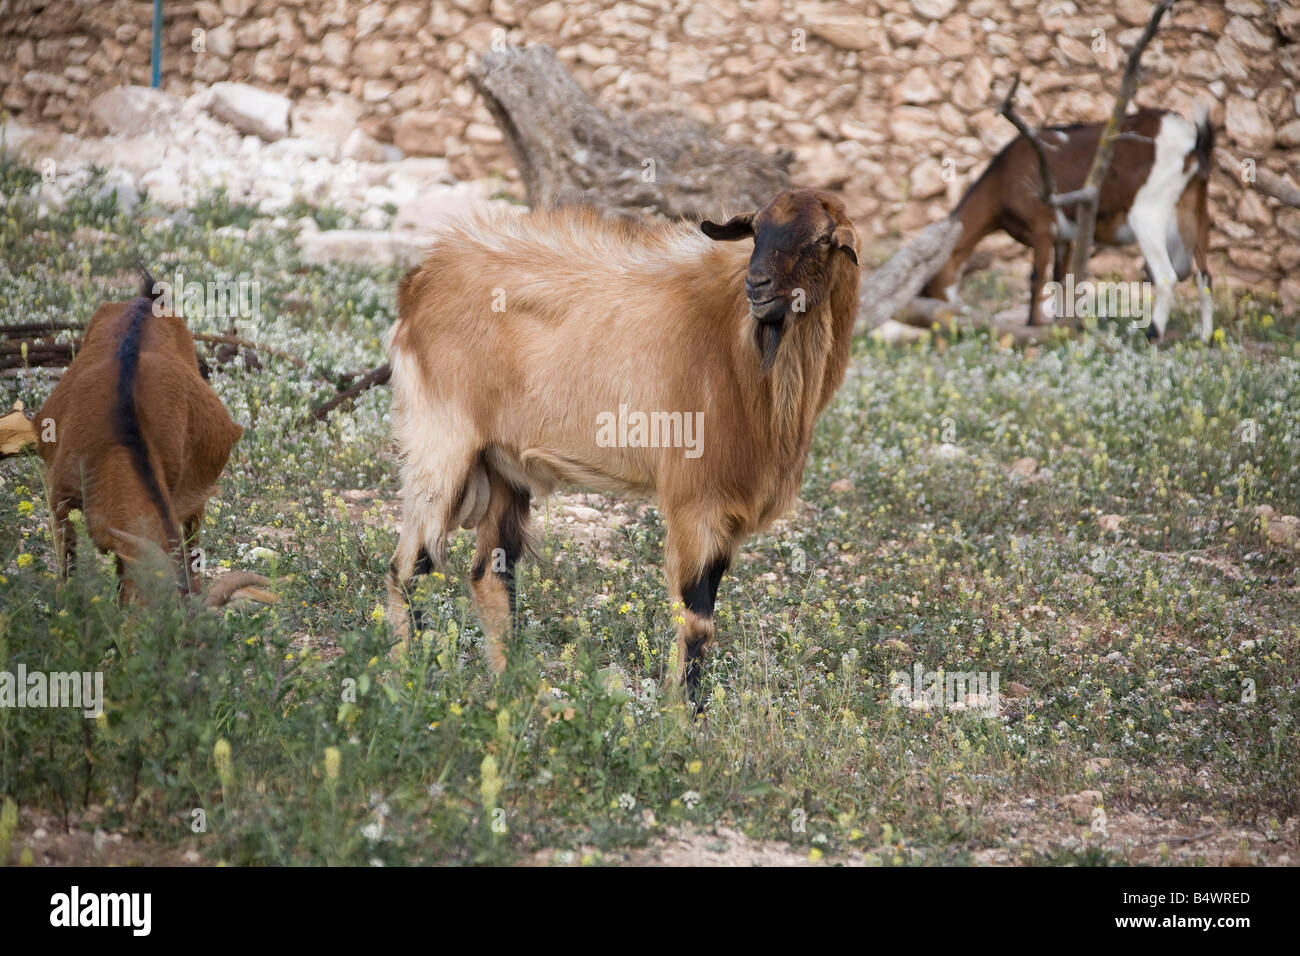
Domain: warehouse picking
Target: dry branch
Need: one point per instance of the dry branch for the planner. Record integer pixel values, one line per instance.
(1046, 181)
(376, 376)
(37, 329)
(1086, 214)
(222, 339)
(1266, 181)
(923, 313)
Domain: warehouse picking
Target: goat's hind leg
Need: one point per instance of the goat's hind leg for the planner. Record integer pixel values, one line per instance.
(502, 537)
(1203, 281)
(1151, 227)
(436, 497)
(65, 537)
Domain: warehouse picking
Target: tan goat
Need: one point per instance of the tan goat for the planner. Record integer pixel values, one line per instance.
(521, 337)
(134, 437)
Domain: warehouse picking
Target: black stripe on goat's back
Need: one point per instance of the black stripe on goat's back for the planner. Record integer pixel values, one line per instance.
(126, 418)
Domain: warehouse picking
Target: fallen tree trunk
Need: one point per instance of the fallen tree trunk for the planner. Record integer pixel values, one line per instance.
(569, 151)
(924, 313)
(1005, 330)
(889, 290)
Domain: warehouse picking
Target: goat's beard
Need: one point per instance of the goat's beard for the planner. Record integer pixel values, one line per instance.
(768, 337)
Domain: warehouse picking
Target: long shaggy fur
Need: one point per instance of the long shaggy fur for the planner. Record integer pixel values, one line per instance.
(518, 331)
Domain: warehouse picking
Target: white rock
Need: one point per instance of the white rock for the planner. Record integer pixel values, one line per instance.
(415, 174)
(134, 110)
(164, 186)
(374, 218)
(437, 205)
(362, 247)
(251, 110)
(118, 181)
(933, 9)
(360, 146)
(330, 119)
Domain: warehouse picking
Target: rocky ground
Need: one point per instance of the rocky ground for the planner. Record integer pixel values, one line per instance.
(167, 153)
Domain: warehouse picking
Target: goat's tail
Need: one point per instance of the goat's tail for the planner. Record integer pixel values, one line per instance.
(1204, 148)
(126, 418)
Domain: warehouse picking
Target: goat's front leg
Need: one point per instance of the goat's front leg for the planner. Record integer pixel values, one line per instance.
(693, 578)
(1043, 257)
(191, 553)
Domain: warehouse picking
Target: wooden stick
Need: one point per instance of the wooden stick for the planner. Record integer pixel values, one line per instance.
(1086, 216)
(1046, 182)
(220, 339)
(1266, 181)
(1086, 194)
(28, 329)
(376, 376)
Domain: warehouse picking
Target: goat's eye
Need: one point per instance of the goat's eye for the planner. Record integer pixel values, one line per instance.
(824, 241)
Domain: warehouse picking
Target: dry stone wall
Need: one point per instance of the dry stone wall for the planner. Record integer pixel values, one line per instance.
(889, 101)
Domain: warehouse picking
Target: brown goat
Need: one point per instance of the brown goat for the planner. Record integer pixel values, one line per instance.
(134, 437)
(1154, 194)
(519, 335)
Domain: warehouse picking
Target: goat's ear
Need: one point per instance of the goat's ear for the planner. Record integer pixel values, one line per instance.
(737, 227)
(845, 238)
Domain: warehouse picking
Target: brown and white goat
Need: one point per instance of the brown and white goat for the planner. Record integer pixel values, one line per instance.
(1154, 194)
(519, 334)
(134, 437)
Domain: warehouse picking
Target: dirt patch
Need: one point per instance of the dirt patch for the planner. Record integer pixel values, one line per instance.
(1137, 837)
(687, 846)
(84, 843)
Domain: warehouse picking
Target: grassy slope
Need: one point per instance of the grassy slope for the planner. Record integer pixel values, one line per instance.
(1131, 645)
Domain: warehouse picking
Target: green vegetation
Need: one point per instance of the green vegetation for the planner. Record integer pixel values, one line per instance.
(1130, 640)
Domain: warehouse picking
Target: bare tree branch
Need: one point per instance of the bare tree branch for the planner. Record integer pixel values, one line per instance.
(1046, 182)
(221, 339)
(1267, 182)
(1086, 194)
(376, 376)
(1086, 217)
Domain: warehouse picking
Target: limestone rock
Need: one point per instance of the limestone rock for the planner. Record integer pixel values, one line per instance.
(133, 110)
(251, 110)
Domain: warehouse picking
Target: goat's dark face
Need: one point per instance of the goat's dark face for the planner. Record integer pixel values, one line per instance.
(797, 239)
